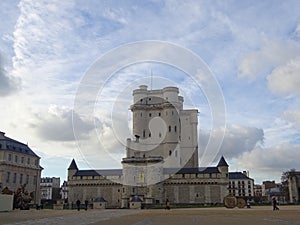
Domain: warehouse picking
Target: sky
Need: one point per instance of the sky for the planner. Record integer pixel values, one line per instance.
(251, 49)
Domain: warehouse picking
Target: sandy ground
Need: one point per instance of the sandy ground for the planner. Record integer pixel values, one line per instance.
(263, 215)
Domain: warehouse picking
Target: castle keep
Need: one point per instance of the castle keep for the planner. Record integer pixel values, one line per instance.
(161, 162)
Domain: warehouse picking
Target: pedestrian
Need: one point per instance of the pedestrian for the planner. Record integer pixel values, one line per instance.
(248, 204)
(86, 203)
(274, 202)
(78, 204)
(167, 204)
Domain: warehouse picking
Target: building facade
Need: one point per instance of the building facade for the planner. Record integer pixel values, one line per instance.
(50, 188)
(161, 162)
(64, 190)
(241, 185)
(207, 186)
(294, 186)
(19, 166)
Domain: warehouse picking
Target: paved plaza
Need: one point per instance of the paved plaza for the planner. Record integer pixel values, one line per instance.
(263, 215)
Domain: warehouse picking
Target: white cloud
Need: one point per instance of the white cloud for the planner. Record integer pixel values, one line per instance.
(285, 79)
(7, 84)
(57, 125)
(237, 140)
(272, 55)
(277, 158)
(292, 116)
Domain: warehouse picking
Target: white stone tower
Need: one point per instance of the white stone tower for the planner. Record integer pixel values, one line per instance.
(165, 137)
(163, 129)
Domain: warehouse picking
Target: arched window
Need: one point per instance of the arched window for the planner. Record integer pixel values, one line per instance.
(175, 129)
(169, 128)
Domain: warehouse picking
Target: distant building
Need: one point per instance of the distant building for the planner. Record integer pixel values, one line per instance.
(294, 186)
(241, 185)
(19, 165)
(64, 190)
(270, 190)
(266, 188)
(257, 188)
(50, 188)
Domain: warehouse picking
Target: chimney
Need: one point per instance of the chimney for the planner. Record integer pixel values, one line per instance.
(2, 134)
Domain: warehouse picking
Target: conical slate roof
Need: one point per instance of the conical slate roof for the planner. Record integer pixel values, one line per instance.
(222, 162)
(136, 199)
(99, 199)
(73, 165)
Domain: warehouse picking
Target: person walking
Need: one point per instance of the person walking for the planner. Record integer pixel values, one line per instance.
(78, 204)
(167, 204)
(274, 202)
(86, 203)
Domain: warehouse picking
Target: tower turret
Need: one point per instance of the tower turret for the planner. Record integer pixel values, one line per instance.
(223, 167)
(72, 170)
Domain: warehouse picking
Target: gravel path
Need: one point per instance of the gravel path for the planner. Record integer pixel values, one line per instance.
(76, 218)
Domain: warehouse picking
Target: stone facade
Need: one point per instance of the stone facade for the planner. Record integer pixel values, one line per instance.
(294, 186)
(19, 165)
(241, 185)
(50, 188)
(161, 163)
(207, 186)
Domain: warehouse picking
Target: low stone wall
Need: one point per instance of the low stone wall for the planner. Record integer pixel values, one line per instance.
(6, 202)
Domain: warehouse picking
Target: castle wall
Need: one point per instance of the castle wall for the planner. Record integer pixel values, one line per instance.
(195, 191)
(89, 190)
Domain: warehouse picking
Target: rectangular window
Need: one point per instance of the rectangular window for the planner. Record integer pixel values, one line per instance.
(34, 180)
(15, 178)
(7, 177)
(22, 159)
(21, 178)
(9, 157)
(27, 179)
(28, 160)
(16, 158)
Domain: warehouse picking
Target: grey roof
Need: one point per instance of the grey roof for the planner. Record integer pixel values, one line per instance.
(222, 162)
(191, 170)
(99, 199)
(238, 175)
(112, 172)
(136, 199)
(118, 172)
(73, 165)
(10, 144)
